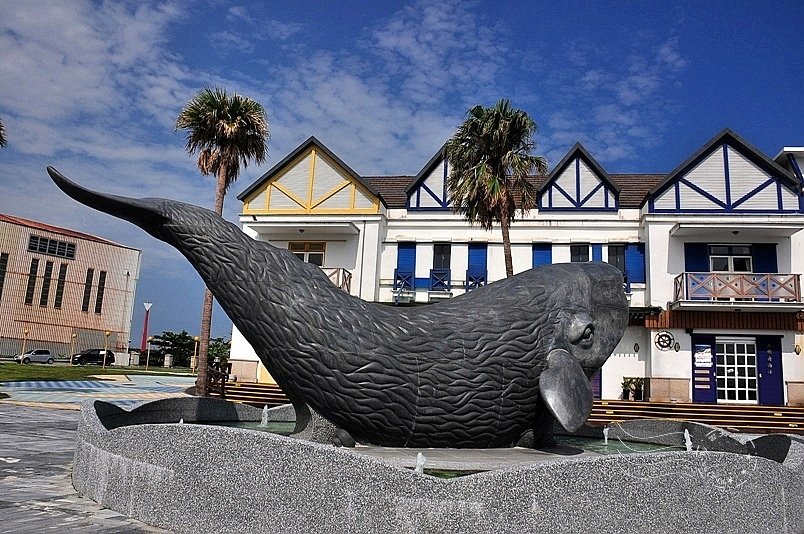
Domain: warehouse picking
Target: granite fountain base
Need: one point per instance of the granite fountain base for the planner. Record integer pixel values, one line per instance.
(199, 478)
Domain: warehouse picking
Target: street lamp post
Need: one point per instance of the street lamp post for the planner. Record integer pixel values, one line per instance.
(105, 347)
(24, 339)
(145, 324)
(194, 363)
(148, 354)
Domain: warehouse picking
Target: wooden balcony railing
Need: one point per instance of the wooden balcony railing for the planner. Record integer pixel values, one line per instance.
(738, 286)
(340, 277)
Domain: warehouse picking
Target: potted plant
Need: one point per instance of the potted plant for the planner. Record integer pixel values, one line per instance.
(637, 384)
(626, 388)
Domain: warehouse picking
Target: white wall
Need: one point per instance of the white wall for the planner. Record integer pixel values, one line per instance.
(624, 361)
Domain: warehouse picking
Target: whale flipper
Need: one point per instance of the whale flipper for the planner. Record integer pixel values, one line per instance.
(565, 390)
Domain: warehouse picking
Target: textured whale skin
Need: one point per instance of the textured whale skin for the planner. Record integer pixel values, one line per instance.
(461, 373)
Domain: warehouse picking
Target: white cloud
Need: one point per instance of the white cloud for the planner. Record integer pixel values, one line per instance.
(614, 108)
(93, 89)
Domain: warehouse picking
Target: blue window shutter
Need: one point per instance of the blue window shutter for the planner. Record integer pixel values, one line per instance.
(764, 258)
(597, 252)
(635, 263)
(542, 254)
(696, 257)
(406, 257)
(477, 258)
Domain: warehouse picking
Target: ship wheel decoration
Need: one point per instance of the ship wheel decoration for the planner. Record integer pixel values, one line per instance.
(664, 340)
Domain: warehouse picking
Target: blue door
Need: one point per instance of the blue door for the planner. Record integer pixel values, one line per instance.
(405, 266)
(704, 384)
(542, 254)
(769, 370)
(476, 273)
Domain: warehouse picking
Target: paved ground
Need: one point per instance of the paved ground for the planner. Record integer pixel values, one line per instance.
(36, 492)
(37, 438)
(122, 390)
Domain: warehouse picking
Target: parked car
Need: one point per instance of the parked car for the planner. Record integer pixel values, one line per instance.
(35, 355)
(93, 356)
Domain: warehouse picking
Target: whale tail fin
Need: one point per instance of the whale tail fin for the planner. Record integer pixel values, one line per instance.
(145, 213)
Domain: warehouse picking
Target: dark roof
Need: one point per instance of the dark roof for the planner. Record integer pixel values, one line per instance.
(35, 225)
(634, 188)
(748, 150)
(311, 141)
(392, 189)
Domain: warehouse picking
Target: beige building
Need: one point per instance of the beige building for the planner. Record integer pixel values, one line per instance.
(62, 290)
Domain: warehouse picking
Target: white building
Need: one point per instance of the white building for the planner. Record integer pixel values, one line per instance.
(712, 255)
(62, 290)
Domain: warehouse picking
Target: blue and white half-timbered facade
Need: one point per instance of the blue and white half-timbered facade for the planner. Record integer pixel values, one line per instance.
(578, 182)
(727, 176)
(712, 255)
(428, 190)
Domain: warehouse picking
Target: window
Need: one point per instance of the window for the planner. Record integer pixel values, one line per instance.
(441, 255)
(87, 290)
(60, 286)
(617, 257)
(29, 290)
(730, 258)
(45, 295)
(51, 247)
(579, 253)
(101, 288)
(3, 267)
(309, 252)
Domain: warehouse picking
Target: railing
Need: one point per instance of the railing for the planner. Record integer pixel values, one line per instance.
(404, 280)
(475, 279)
(216, 380)
(738, 286)
(340, 277)
(440, 280)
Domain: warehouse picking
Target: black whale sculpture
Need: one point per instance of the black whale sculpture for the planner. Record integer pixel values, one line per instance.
(480, 370)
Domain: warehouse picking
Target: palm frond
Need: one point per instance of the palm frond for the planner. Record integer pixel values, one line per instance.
(490, 160)
(227, 131)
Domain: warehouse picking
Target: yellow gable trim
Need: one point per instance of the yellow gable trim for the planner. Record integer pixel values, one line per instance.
(309, 204)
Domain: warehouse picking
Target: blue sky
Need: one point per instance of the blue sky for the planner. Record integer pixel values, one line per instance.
(93, 88)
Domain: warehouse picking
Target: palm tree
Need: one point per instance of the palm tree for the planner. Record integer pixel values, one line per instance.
(227, 132)
(3, 141)
(490, 161)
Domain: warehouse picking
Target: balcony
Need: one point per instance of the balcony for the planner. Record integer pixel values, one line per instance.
(738, 291)
(440, 286)
(475, 279)
(340, 277)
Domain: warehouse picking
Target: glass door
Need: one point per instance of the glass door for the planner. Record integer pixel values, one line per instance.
(736, 370)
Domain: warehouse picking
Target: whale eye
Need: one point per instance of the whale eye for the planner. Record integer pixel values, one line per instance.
(581, 331)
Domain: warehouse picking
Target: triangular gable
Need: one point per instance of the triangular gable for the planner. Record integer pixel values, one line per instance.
(578, 182)
(428, 191)
(311, 179)
(726, 175)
